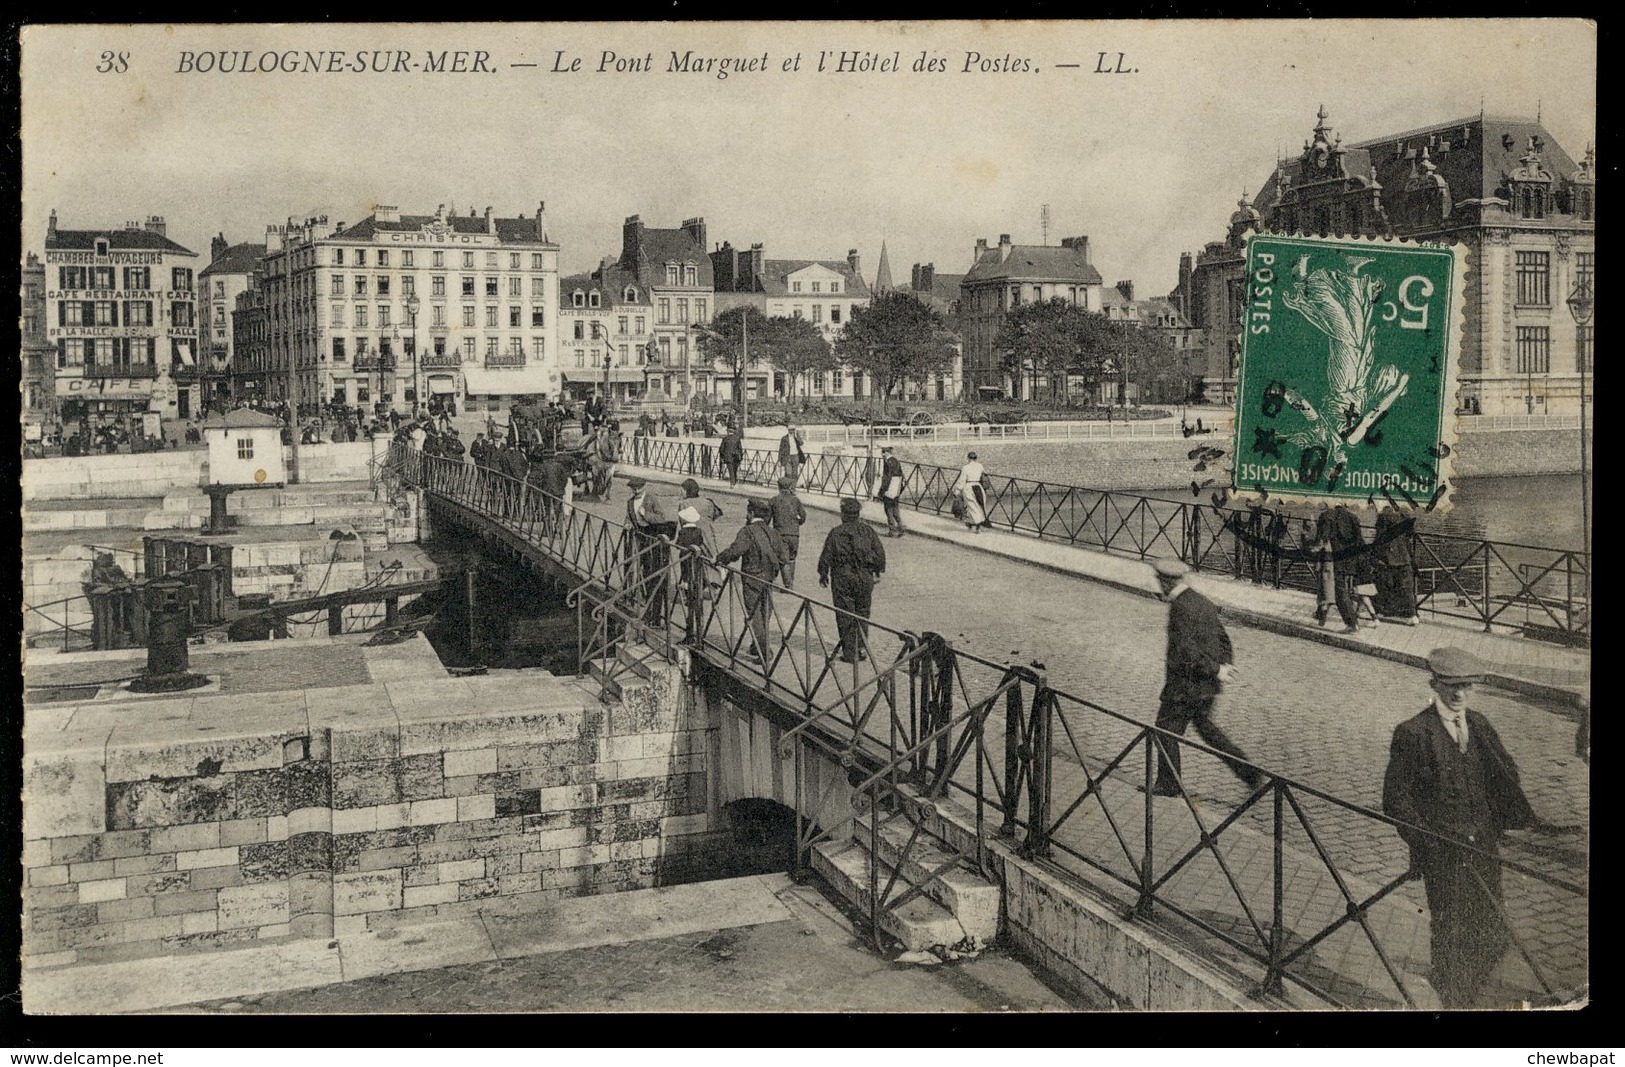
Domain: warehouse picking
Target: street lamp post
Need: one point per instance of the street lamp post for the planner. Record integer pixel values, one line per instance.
(412, 305)
(1581, 304)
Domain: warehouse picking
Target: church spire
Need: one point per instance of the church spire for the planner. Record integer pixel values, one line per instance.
(883, 282)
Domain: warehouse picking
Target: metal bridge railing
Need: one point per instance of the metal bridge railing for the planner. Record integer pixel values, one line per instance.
(1481, 581)
(1288, 887)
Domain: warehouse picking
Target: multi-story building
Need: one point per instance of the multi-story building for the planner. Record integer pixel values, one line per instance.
(1522, 207)
(411, 311)
(824, 292)
(253, 371)
(38, 353)
(121, 313)
(606, 332)
(231, 271)
(1003, 278)
(672, 268)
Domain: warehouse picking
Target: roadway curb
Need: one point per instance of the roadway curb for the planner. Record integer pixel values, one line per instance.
(1567, 699)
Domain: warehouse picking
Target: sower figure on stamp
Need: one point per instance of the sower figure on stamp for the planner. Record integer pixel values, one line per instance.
(851, 563)
(1200, 661)
(1449, 773)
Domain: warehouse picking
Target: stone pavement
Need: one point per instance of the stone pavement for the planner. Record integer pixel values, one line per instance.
(1320, 712)
(758, 943)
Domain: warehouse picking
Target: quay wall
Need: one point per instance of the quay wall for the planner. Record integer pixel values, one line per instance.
(192, 823)
(157, 473)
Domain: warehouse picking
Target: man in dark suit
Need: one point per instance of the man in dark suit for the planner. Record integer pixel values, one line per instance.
(1200, 661)
(1448, 773)
(760, 553)
(852, 562)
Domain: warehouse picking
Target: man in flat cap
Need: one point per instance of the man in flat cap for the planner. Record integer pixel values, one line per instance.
(788, 515)
(1200, 661)
(891, 491)
(851, 563)
(647, 516)
(760, 554)
(1454, 789)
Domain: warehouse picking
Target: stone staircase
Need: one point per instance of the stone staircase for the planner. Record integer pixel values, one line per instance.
(957, 909)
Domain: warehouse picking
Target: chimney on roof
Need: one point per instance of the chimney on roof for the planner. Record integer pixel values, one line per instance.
(755, 266)
(925, 277)
(217, 247)
(439, 215)
(386, 212)
(155, 224)
(273, 239)
(695, 228)
(981, 250)
(1126, 288)
(1081, 244)
(1004, 247)
(631, 238)
(490, 223)
(541, 220)
(725, 268)
(852, 261)
(50, 225)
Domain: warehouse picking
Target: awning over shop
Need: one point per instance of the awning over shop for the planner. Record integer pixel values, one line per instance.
(442, 383)
(483, 381)
(184, 348)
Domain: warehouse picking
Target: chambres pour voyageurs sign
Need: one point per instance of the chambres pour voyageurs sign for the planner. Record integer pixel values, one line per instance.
(1346, 388)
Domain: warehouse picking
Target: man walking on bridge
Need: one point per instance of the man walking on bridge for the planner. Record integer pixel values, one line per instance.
(891, 492)
(852, 562)
(1200, 661)
(760, 553)
(1449, 773)
(788, 515)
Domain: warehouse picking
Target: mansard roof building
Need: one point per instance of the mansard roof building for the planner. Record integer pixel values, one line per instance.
(1522, 206)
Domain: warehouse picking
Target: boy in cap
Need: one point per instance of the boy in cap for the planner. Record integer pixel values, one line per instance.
(1199, 663)
(709, 511)
(852, 562)
(788, 516)
(1448, 773)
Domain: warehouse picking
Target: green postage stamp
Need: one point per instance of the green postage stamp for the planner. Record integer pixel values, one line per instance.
(1347, 383)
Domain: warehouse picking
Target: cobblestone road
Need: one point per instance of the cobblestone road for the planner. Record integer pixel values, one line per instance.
(1321, 715)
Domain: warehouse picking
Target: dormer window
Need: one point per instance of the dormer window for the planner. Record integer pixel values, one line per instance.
(834, 287)
(101, 246)
(592, 299)
(631, 294)
(578, 299)
(690, 274)
(671, 274)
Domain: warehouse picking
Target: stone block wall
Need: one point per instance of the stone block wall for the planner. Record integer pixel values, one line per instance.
(202, 822)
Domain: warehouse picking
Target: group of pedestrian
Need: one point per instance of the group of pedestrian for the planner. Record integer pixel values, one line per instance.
(1450, 783)
(1365, 583)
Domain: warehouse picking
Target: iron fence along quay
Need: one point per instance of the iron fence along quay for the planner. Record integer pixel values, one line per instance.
(1270, 889)
(1490, 583)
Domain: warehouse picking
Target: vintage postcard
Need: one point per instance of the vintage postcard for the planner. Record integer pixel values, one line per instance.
(807, 516)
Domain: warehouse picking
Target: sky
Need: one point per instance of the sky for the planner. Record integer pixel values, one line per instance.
(121, 123)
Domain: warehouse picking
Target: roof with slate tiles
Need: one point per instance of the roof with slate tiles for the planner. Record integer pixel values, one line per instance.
(117, 241)
(238, 259)
(1033, 263)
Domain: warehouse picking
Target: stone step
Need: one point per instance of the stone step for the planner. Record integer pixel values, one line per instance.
(613, 679)
(642, 660)
(971, 899)
(920, 924)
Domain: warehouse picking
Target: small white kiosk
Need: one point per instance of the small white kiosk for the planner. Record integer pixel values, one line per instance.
(245, 452)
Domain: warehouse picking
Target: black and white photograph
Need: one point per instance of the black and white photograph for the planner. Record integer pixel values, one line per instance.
(961, 517)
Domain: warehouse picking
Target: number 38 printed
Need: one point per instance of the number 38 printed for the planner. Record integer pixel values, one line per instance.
(113, 63)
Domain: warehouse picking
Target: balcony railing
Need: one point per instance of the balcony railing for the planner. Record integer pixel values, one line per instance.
(374, 361)
(505, 359)
(432, 360)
